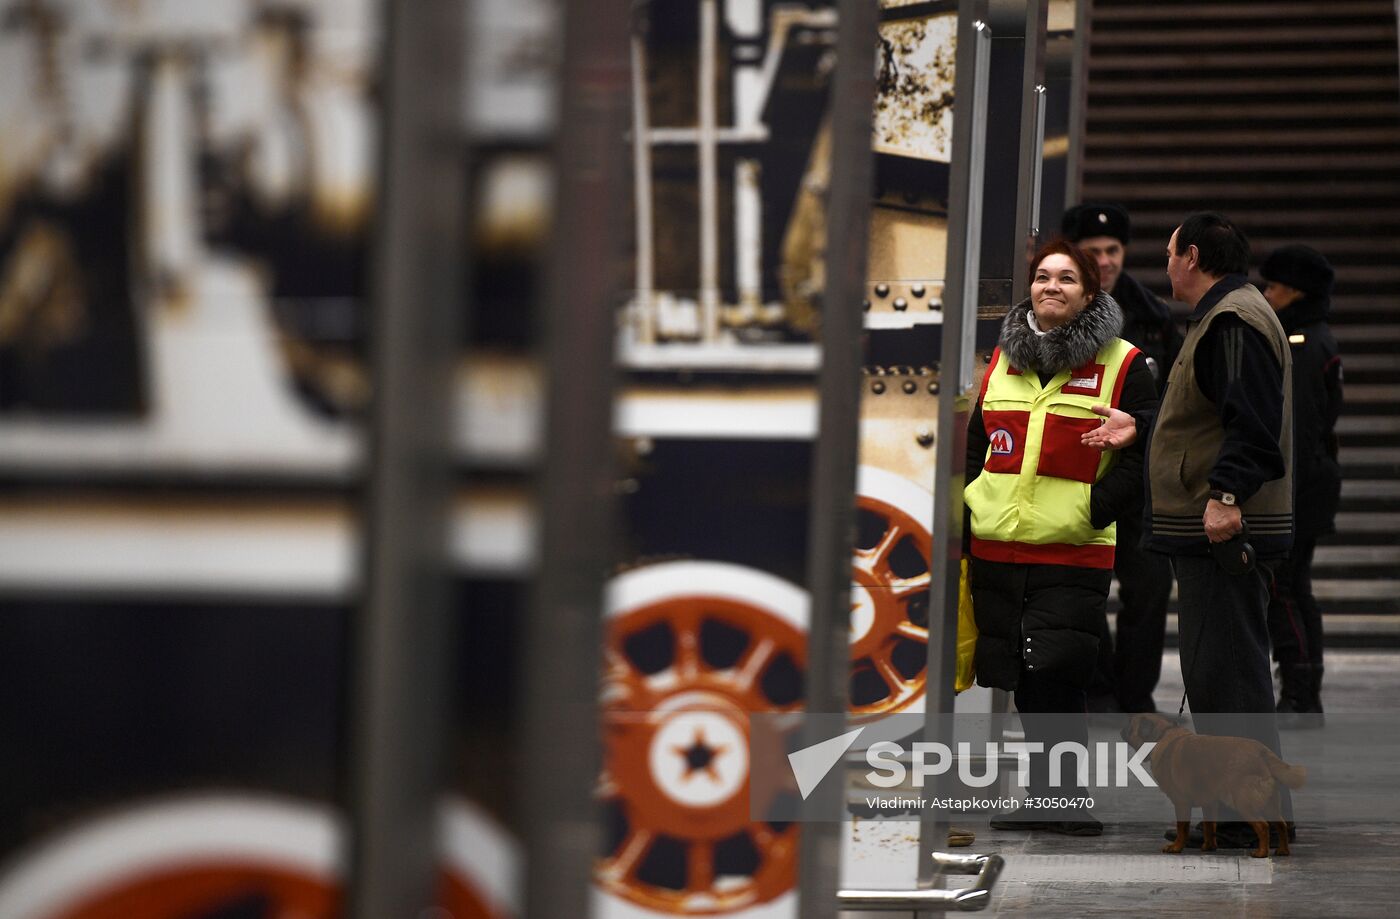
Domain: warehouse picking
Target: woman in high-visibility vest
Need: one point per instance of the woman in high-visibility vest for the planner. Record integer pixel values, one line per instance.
(1041, 504)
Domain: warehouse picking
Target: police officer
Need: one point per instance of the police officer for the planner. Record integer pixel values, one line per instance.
(1129, 668)
(1298, 285)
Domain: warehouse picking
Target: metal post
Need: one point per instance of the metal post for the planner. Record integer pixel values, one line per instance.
(832, 526)
(1079, 100)
(1037, 144)
(959, 325)
(1017, 67)
(1032, 143)
(709, 172)
(559, 756)
(400, 633)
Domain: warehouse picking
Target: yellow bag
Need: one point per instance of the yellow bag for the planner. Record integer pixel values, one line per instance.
(967, 635)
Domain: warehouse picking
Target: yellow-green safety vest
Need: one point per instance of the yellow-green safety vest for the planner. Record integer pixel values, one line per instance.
(1031, 502)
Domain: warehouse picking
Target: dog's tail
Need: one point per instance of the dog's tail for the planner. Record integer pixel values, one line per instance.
(1290, 775)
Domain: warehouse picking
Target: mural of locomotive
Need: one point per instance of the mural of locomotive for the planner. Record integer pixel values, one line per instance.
(708, 622)
(263, 231)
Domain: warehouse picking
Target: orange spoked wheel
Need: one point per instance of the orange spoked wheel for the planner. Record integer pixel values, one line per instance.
(889, 594)
(238, 855)
(691, 648)
(191, 857)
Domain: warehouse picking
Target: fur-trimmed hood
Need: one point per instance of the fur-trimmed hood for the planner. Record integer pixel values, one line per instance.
(1071, 345)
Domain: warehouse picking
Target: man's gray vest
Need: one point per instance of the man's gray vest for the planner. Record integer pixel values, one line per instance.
(1188, 435)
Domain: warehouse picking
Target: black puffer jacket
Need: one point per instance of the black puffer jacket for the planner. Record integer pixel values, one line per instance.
(1317, 401)
(1047, 616)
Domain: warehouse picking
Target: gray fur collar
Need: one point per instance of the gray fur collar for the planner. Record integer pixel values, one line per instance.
(1071, 345)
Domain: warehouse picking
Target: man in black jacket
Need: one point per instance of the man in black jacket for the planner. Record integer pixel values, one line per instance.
(1298, 285)
(1129, 668)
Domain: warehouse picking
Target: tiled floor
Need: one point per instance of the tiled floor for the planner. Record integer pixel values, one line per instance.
(1351, 871)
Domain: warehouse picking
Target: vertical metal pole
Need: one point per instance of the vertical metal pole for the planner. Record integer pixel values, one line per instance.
(959, 323)
(1037, 166)
(832, 527)
(559, 758)
(1079, 100)
(400, 633)
(1032, 140)
(645, 317)
(709, 172)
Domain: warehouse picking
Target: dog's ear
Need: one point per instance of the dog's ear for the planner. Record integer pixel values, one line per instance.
(1154, 726)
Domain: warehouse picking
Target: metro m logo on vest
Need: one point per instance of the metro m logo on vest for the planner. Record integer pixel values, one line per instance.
(1003, 443)
(1007, 432)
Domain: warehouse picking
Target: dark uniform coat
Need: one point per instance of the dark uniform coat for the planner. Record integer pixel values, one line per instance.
(1317, 401)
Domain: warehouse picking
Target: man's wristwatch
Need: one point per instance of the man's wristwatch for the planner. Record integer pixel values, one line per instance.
(1224, 497)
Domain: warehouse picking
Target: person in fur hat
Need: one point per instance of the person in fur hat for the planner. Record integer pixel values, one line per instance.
(1298, 285)
(1041, 504)
(1130, 666)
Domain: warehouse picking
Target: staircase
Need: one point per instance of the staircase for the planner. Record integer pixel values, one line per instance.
(1285, 116)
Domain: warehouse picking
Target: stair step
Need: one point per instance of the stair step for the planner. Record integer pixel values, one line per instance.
(1278, 85)
(1356, 589)
(1369, 462)
(1380, 219)
(1356, 556)
(1367, 332)
(1314, 10)
(1371, 488)
(1193, 161)
(1383, 361)
(1346, 308)
(1204, 111)
(1191, 35)
(1371, 376)
(1262, 138)
(1225, 60)
(1224, 190)
(1368, 424)
(1364, 393)
(1368, 522)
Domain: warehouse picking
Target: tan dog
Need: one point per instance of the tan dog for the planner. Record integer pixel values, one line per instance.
(1195, 769)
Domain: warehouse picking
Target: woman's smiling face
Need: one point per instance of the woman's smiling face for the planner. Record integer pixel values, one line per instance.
(1057, 291)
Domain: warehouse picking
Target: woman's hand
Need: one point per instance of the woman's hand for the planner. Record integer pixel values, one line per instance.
(1116, 431)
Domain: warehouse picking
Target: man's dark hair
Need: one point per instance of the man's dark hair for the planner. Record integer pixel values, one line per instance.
(1222, 246)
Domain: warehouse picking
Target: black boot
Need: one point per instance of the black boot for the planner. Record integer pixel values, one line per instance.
(1317, 692)
(1297, 701)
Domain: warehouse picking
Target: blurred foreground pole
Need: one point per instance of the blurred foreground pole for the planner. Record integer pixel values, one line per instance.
(956, 374)
(559, 677)
(832, 536)
(399, 637)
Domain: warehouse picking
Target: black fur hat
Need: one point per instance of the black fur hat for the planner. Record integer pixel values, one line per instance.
(1300, 267)
(1085, 220)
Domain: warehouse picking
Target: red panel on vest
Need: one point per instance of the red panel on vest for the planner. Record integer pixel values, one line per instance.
(1061, 453)
(1006, 432)
(1085, 381)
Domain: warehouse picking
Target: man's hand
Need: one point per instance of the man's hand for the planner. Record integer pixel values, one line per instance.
(1116, 431)
(1221, 521)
